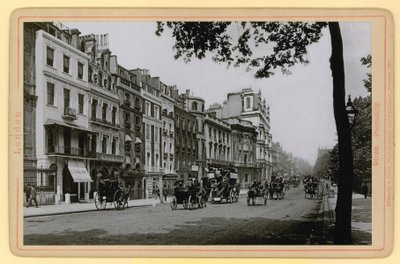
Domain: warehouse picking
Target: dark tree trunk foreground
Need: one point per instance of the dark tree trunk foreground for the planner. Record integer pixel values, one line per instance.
(342, 234)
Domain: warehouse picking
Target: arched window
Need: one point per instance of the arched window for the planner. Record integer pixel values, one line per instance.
(194, 106)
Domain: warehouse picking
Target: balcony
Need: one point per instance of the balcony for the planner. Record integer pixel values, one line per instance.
(165, 156)
(245, 164)
(127, 125)
(66, 150)
(109, 157)
(69, 113)
(127, 103)
(165, 132)
(171, 156)
(102, 121)
(171, 134)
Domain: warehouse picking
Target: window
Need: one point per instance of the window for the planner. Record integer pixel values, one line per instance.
(81, 99)
(50, 56)
(50, 93)
(155, 134)
(247, 102)
(148, 110)
(156, 112)
(114, 146)
(94, 109)
(114, 115)
(80, 70)
(90, 72)
(66, 98)
(104, 145)
(147, 131)
(104, 112)
(66, 64)
(194, 106)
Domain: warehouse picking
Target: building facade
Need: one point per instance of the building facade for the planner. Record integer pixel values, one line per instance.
(131, 128)
(151, 94)
(62, 118)
(196, 105)
(168, 139)
(218, 142)
(103, 111)
(185, 144)
(251, 107)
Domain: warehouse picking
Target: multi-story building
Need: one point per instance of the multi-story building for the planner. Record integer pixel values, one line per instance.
(218, 142)
(104, 110)
(195, 105)
(61, 122)
(244, 145)
(168, 138)
(250, 106)
(151, 94)
(185, 144)
(131, 126)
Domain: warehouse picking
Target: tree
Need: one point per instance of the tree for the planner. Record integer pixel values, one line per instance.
(284, 45)
(361, 136)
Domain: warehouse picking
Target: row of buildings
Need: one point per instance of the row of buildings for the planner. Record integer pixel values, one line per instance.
(86, 117)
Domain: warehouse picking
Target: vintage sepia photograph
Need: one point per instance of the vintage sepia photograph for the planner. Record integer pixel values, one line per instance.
(177, 131)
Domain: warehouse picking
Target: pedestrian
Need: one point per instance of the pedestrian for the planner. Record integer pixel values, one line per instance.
(27, 193)
(32, 197)
(157, 191)
(365, 190)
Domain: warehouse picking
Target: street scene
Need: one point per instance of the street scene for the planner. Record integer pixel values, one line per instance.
(217, 224)
(197, 133)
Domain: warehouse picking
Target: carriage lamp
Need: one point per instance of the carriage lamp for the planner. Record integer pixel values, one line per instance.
(351, 111)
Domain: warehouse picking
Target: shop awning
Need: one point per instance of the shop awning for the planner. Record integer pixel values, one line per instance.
(51, 122)
(138, 141)
(128, 138)
(78, 171)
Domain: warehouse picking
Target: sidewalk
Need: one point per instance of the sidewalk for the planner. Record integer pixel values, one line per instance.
(63, 208)
(361, 217)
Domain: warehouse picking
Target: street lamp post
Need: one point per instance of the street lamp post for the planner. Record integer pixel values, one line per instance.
(352, 112)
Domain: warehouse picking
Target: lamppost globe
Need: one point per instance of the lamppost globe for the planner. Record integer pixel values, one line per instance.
(351, 112)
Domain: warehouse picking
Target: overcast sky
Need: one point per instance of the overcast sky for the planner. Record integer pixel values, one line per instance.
(301, 103)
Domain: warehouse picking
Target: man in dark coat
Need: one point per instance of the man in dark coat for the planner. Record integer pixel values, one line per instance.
(365, 190)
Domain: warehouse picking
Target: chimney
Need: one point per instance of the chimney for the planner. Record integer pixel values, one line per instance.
(75, 38)
(187, 92)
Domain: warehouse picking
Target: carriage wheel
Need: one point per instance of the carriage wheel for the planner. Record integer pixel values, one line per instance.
(173, 204)
(201, 201)
(185, 204)
(118, 200)
(100, 202)
(231, 200)
(192, 203)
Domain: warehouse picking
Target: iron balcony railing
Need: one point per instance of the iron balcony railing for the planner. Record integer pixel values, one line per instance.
(69, 113)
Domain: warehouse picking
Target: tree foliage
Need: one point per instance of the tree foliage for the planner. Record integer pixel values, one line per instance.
(287, 43)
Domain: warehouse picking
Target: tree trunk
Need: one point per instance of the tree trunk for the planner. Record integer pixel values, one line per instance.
(342, 234)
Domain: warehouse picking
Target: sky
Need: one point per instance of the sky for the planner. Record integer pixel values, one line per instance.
(301, 104)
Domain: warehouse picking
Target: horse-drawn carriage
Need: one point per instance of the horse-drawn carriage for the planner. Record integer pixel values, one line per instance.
(276, 189)
(225, 188)
(257, 191)
(191, 196)
(311, 189)
(111, 191)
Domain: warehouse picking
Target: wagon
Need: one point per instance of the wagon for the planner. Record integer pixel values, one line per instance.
(110, 191)
(225, 189)
(276, 190)
(188, 198)
(311, 190)
(255, 193)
